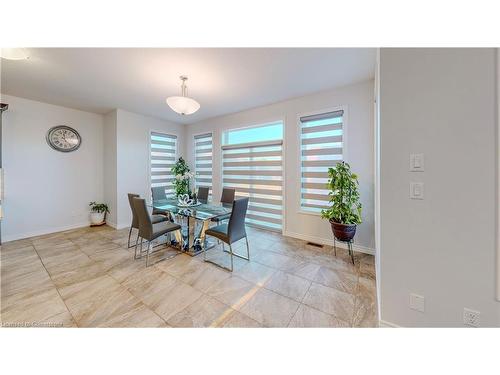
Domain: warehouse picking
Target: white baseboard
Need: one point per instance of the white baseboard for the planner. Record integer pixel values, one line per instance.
(329, 241)
(117, 226)
(41, 232)
(111, 224)
(122, 226)
(384, 324)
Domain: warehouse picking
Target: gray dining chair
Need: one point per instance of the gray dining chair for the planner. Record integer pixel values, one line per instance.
(148, 230)
(135, 220)
(203, 194)
(231, 232)
(227, 195)
(159, 193)
(226, 199)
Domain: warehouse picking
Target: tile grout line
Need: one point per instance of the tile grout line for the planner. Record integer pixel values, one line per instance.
(56, 288)
(300, 303)
(139, 299)
(205, 294)
(317, 262)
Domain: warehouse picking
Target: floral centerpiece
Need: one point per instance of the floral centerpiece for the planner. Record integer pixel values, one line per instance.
(183, 176)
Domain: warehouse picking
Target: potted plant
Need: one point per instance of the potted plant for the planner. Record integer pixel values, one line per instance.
(345, 211)
(98, 213)
(183, 176)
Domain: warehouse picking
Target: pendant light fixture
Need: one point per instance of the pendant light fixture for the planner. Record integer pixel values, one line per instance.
(183, 104)
(14, 54)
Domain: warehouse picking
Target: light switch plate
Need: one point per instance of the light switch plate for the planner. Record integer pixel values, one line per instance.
(416, 162)
(416, 190)
(417, 302)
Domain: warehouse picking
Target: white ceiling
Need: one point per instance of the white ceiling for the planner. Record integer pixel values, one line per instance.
(222, 80)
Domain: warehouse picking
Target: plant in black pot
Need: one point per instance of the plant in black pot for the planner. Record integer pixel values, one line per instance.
(345, 211)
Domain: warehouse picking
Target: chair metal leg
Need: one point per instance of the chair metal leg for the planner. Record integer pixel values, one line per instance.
(248, 248)
(217, 264)
(129, 234)
(231, 252)
(238, 255)
(135, 249)
(150, 247)
(140, 250)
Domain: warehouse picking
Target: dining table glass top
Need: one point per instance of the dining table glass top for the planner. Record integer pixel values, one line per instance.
(203, 211)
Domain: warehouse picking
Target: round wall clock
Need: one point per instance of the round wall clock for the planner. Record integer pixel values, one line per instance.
(63, 138)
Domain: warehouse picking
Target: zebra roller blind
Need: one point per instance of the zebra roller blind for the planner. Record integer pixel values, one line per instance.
(255, 170)
(203, 160)
(163, 155)
(321, 148)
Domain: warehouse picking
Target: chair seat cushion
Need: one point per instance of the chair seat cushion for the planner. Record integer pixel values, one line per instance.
(219, 231)
(157, 211)
(158, 218)
(164, 227)
(221, 217)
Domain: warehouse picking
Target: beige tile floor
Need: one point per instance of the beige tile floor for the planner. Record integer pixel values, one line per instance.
(88, 278)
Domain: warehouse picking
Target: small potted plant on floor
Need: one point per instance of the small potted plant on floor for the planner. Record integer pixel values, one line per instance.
(98, 213)
(345, 211)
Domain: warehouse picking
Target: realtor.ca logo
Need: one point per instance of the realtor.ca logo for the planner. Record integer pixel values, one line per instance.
(32, 324)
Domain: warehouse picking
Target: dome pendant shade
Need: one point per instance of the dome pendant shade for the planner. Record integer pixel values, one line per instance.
(183, 104)
(14, 53)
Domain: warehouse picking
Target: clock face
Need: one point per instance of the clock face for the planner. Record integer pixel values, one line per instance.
(63, 138)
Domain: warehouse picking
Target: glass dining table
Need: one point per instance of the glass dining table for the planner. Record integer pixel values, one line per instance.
(194, 220)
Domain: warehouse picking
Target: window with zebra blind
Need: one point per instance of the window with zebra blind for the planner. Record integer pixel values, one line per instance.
(203, 160)
(255, 170)
(322, 147)
(163, 154)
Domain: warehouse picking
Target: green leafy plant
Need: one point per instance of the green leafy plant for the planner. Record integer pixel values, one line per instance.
(182, 177)
(99, 207)
(344, 196)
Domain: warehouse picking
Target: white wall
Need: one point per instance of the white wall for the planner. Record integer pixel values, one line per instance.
(439, 102)
(359, 100)
(133, 157)
(46, 190)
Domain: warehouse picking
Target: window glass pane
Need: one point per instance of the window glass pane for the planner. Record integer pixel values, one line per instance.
(266, 132)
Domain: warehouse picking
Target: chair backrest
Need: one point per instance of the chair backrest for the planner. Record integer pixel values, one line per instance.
(203, 193)
(145, 223)
(236, 227)
(227, 195)
(135, 220)
(158, 193)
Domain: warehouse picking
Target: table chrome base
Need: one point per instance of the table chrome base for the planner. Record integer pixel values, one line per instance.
(194, 243)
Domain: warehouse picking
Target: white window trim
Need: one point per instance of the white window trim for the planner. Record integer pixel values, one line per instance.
(345, 119)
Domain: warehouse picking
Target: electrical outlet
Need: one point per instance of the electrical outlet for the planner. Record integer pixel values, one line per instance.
(472, 318)
(417, 302)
